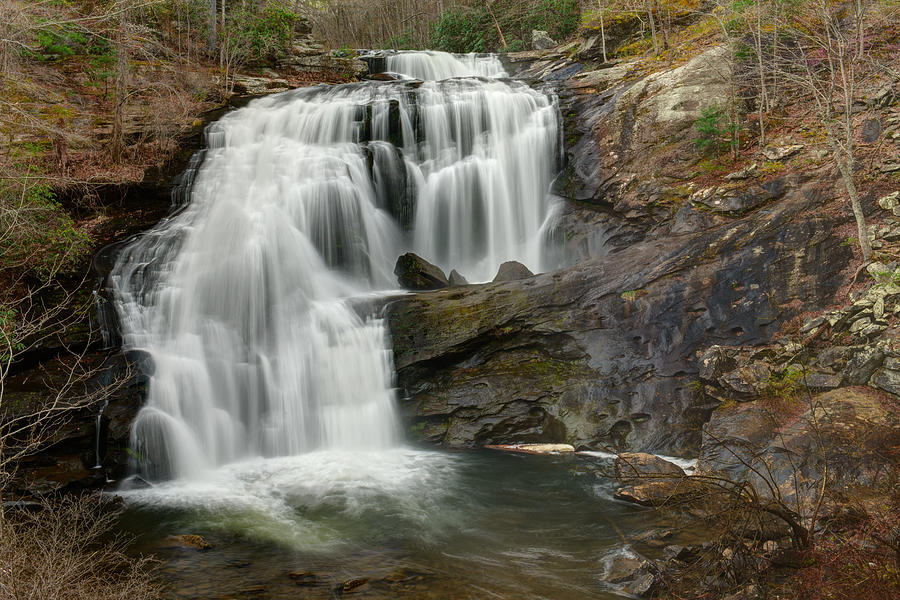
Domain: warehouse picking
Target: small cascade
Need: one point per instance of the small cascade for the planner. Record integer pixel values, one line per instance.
(433, 65)
(245, 301)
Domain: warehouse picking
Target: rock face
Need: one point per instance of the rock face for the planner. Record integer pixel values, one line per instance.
(511, 271)
(415, 273)
(604, 353)
(849, 431)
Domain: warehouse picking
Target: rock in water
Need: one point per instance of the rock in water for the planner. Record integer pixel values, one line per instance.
(511, 271)
(456, 279)
(541, 40)
(632, 467)
(415, 273)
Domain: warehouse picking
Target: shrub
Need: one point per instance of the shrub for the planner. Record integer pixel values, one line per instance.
(713, 131)
(66, 550)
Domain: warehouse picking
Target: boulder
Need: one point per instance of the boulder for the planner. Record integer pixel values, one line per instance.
(856, 428)
(636, 467)
(629, 572)
(456, 279)
(541, 40)
(511, 271)
(415, 273)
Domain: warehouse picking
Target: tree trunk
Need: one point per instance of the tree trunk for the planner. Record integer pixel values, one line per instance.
(211, 39)
(652, 27)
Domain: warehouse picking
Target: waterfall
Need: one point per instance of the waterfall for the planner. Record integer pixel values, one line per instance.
(248, 300)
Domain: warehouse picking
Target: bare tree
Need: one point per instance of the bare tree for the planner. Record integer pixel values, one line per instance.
(830, 69)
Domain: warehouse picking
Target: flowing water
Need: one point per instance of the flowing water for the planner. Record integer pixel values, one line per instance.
(269, 423)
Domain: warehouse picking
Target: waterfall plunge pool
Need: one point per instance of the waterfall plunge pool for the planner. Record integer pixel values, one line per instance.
(411, 523)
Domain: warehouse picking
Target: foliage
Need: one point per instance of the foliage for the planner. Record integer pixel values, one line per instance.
(37, 233)
(472, 28)
(713, 131)
(260, 34)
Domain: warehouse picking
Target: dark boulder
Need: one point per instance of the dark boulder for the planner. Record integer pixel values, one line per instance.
(456, 279)
(415, 273)
(511, 271)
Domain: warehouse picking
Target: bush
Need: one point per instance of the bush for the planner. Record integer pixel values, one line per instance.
(66, 550)
(38, 234)
(714, 132)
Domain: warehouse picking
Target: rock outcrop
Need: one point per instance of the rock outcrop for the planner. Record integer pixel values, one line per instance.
(604, 353)
(415, 273)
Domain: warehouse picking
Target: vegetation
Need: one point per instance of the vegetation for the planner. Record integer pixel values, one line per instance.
(474, 26)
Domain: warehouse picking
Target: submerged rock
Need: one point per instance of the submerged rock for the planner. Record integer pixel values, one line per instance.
(511, 271)
(415, 273)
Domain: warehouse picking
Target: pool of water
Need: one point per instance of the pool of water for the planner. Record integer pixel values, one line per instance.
(401, 523)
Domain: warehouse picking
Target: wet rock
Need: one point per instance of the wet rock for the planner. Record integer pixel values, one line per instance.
(415, 273)
(456, 279)
(603, 353)
(634, 467)
(304, 578)
(352, 585)
(511, 271)
(630, 572)
(189, 540)
(684, 554)
(541, 40)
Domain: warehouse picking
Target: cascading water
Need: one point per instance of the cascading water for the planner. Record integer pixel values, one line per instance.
(304, 200)
(269, 424)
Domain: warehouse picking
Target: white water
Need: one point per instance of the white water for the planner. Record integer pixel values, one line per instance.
(244, 300)
(441, 65)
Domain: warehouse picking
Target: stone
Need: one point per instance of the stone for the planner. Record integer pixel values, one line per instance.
(352, 585)
(870, 131)
(854, 424)
(890, 201)
(511, 271)
(456, 279)
(189, 540)
(889, 167)
(821, 381)
(748, 379)
(534, 448)
(862, 365)
(636, 467)
(781, 152)
(415, 273)
(887, 380)
(630, 572)
(745, 173)
(541, 40)
(714, 363)
(860, 324)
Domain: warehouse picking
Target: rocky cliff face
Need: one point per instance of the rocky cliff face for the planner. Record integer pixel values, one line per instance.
(604, 353)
